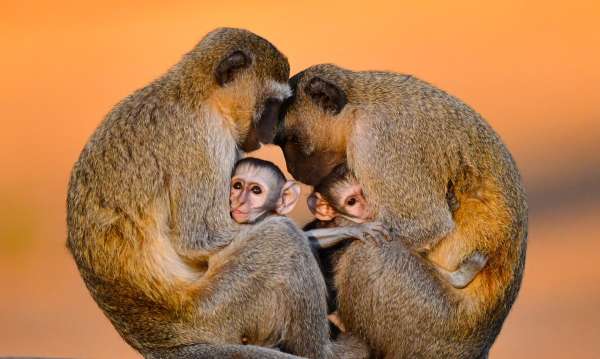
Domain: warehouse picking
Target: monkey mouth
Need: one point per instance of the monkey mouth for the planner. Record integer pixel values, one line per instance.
(239, 216)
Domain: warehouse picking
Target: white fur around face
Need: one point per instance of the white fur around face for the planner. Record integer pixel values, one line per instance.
(271, 90)
(277, 90)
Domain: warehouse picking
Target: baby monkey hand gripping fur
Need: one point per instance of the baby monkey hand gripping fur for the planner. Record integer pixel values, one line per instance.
(149, 224)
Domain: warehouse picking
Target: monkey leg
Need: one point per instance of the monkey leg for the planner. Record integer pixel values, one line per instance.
(391, 298)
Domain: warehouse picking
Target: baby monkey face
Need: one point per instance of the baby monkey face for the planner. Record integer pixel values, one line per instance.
(248, 197)
(353, 204)
(258, 190)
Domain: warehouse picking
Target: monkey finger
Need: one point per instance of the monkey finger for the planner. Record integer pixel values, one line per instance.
(380, 238)
(355, 232)
(375, 238)
(382, 232)
(362, 237)
(378, 227)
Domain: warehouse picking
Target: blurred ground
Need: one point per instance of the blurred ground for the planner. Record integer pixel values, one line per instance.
(530, 68)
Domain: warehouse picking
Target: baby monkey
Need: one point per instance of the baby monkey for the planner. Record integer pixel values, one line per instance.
(259, 190)
(338, 200)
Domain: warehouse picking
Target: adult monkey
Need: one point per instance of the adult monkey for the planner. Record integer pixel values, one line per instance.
(148, 215)
(412, 147)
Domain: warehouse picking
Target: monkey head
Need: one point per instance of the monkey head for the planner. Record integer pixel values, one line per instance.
(316, 123)
(259, 189)
(339, 193)
(248, 85)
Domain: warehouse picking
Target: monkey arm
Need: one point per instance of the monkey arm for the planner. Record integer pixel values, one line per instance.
(325, 237)
(329, 237)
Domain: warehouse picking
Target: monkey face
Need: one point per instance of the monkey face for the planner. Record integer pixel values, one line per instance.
(249, 196)
(264, 128)
(309, 167)
(315, 125)
(250, 88)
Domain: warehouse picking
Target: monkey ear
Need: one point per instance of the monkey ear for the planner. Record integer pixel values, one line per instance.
(326, 95)
(320, 207)
(312, 202)
(290, 193)
(231, 66)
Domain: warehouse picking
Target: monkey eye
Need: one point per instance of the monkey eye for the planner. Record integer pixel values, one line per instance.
(256, 190)
(351, 202)
(237, 185)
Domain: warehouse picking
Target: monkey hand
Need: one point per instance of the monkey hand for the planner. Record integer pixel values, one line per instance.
(369, 232)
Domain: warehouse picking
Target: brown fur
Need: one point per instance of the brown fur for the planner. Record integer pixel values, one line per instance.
(148, 215)
(405, 140)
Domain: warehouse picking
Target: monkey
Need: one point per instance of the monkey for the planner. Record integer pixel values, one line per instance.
(259, 189)
(148, 221)
(408, 142)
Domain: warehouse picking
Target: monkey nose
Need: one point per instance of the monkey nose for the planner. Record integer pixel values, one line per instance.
(236, 202)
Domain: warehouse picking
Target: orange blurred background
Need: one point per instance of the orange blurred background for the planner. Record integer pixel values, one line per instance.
(532, 69)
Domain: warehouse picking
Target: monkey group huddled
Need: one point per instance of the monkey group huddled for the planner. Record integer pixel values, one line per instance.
(158, 213)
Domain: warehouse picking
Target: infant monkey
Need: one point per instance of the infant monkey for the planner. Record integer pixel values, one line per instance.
(338, 200)
(259, 190)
